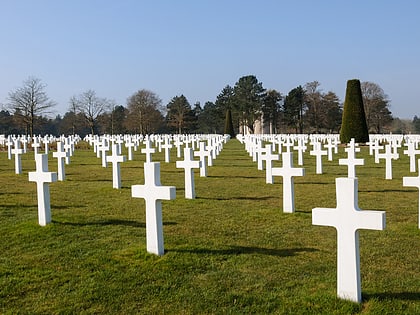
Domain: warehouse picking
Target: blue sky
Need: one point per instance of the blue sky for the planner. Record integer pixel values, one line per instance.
(197, 47)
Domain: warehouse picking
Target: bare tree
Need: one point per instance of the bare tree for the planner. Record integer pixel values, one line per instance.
(376, 105)
(144, 112)
(91, 107)
(30, 101)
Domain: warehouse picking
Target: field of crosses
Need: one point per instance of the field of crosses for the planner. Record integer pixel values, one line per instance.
(199, 152)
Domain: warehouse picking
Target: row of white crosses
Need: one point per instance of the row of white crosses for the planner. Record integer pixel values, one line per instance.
(347, 217)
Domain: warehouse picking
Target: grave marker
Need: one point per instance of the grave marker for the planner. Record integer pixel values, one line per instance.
(17, 151)
(188, 164)
(414, 182)
(347, 218)
(42, 177)
(61, 155)
(116, 159)
(287, 171)
(153, 193)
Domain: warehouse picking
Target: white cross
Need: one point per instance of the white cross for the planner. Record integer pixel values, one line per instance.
(46, 141)
(347, 218)
(9, 144)
(178, 143)
(116, 159)
(42, 177)
(36, 144)
(317, 151)
(414, 182)
(389, 155)
(287, 171)
(289, 143)
(68, 147)
(269, 157)
(202, 153)
(167, 148)
(153, 193)
(351, 160)
(301, 148)
(260, 154)
(411, 152)
(61, 155)
(188, 164)
(17, 151)
(148, 150)
(103, 149)
(330, 146)
(129, 144)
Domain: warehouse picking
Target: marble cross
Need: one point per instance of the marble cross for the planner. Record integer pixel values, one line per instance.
(388, 155)
(351, 161)
(414, 182)
(116, 159)
(153, 193)
(287, 171)
(269, 157)
(17, 151)
(61, 155)
(318, 153)
(202, 153)
(347, 218)
(42, 178)
(148, 150)
(188, 164)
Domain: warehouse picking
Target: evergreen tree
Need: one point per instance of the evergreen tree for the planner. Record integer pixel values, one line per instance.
(229, 124)
(354, 119)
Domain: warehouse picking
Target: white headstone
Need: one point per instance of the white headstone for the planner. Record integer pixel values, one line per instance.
(116, 159)
(287, 171)
(61, 155)
(388, 155)
(347, 218)
(269, 157)
(351, 160)
(411, 152)
(188, 164)
(153, 193)
(17, 151)
(318, 153)
(42, 177)
(148, 150)
(414, 182)
(167, 148)
(202, 153)
(9, 144)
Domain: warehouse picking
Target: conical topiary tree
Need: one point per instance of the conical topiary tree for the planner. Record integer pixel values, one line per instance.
(354, 120)
(229, 124)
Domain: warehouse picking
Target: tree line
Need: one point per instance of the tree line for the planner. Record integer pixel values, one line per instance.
(251, 107)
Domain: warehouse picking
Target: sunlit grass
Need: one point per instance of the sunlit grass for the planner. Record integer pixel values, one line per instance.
(230, 250)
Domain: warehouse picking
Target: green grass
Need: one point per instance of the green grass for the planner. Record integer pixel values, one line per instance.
(230, 251)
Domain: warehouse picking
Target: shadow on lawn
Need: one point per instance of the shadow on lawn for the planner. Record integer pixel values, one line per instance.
(110, 222)
(238, 198)
(238, 250)
(405, 296)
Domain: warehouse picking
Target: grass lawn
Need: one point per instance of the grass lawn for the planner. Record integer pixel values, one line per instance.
(231, 250)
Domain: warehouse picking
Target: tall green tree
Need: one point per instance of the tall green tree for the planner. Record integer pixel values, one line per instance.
(224, 102)
(30, 101)
(333, 112)
(354, 119)
(294, 108)
(271, 109)
(229, 124)
(416, 124)
(376, 105)
(248, 99)
(180, 116)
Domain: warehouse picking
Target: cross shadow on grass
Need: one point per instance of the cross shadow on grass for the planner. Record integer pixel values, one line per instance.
(109, 222)
(238, 198)
(405, 296)
(239, 250)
